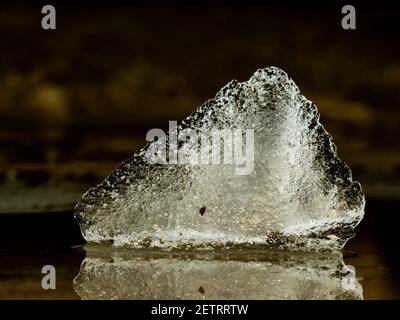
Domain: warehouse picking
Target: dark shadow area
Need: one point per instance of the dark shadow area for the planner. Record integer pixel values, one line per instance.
(374, 251)
(40, 230)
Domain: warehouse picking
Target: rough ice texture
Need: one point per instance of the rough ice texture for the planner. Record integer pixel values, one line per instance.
(117, 275)
(299, 195)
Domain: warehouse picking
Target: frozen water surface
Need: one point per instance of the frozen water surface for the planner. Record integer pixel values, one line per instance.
(300, 195)
(154, 274)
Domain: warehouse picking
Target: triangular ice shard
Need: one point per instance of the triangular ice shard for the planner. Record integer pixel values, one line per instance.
(295, 194)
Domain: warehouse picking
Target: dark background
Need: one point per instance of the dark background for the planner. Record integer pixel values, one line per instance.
(76, 101)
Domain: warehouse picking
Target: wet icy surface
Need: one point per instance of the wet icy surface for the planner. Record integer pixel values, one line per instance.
(300, 194)
(373, 252)
(108, 273)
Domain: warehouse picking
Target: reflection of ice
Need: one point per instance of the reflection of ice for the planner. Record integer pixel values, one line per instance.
(225, 275)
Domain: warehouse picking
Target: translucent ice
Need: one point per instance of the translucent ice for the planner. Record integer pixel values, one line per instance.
(299, 194)
(267, 274)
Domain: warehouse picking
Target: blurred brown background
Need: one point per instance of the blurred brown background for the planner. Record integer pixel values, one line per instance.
(76, 101)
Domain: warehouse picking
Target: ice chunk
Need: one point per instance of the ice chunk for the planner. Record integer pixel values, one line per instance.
(168, 275)
(299, 194)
